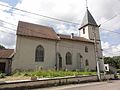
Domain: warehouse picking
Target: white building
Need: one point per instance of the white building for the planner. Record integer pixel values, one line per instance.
(40, 47)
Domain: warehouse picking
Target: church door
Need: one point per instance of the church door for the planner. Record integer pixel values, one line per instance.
(2, 67)
(79, 63)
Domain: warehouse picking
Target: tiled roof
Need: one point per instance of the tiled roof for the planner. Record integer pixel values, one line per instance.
(6, 53)
(74, 38)
(34, 30)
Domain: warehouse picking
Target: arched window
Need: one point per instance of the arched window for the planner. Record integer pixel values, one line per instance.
(68, 58)
(86, 63)
(86, 49)
(39, 53)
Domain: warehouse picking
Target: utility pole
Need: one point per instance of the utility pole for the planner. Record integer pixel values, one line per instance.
(97, 56)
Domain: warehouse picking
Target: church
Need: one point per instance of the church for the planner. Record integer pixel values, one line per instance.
(40, 47)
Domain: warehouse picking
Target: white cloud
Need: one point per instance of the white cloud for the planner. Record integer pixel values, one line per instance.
(6, 39)
(105, 45)
(72, 10)
(116, 49)
(63, 29)
(110, 50)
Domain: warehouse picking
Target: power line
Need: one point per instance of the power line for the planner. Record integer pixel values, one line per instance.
(62, 45)
(56, 18)
(7, 22)
(110, 47)
(8, 32)
(109, 19)
(16, 25)
(49, 16)
(39, 14)
(113, 52)
(28, 16)
(110, 31)
(21, 27)
(27, 28)
(59, 45)
(8, 28)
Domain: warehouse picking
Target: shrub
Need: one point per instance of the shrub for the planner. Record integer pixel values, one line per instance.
(16, 73)
(51, 73)
(2, 75)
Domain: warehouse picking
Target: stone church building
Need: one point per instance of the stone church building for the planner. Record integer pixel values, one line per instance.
(40, 47)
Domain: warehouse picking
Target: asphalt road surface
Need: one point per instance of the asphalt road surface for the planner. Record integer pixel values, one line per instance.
(109, 85)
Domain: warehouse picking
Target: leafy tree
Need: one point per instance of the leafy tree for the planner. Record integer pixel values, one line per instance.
(2, 47)
(113, 61)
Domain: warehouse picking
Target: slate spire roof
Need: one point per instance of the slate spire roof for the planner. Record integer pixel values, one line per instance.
(88, 20)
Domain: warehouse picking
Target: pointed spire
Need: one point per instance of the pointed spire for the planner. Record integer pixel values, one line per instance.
(88, 19)
(86, 4)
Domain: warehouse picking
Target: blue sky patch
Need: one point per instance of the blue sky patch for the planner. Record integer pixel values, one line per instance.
(11, 2)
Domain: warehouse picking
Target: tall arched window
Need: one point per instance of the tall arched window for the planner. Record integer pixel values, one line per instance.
(86, 49)
(68, 58)
(39, 53)
(86, 63)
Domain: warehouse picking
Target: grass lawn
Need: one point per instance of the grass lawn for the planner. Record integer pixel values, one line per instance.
(18, 75)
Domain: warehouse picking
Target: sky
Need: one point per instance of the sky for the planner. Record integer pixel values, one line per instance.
(105, 12)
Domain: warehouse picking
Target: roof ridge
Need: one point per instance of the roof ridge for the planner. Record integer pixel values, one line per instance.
(35, 30)
(36, 24)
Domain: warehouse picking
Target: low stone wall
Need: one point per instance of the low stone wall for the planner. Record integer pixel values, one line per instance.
(39, 83)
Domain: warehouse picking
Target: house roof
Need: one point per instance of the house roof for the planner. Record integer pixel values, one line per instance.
(34, 30)
(6, 53)
(74, 38)
(88, 19)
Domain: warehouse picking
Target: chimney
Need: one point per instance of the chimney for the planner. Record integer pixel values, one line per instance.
(72, 35)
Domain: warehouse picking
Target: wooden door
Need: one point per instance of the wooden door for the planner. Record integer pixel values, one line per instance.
(2, 67)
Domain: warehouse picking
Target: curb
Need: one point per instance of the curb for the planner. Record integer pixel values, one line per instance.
(47, 82)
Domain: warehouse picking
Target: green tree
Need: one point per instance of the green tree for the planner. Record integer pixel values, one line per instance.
(113, 61)
(2, 47)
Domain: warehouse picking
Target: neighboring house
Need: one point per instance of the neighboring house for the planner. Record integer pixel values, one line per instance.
(40, 47)
(6, 56)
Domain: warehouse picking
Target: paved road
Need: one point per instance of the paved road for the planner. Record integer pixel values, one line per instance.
(110, 85)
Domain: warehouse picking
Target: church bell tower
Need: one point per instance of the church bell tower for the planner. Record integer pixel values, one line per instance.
(89, 27)
(90, 30)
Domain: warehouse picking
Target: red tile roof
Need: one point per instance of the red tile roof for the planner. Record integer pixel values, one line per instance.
(6, 53)
(74, 38)
(34, 30)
